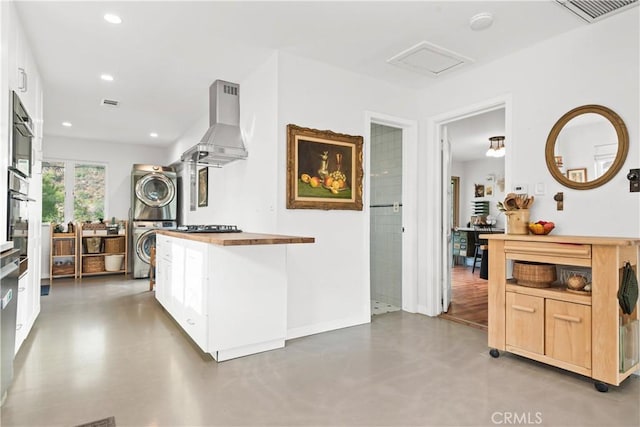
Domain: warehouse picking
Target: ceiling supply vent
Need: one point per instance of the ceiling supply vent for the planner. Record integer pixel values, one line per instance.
(592, 11)
(109, 103)
(429, 59)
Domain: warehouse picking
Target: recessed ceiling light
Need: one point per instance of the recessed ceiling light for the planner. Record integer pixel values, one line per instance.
(66, 124)
(153, 135)
(481, 21)
(112, 19)
(106, 77)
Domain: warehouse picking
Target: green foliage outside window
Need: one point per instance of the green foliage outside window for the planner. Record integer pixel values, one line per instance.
(88, 202)
(88, 192)
(52, 192)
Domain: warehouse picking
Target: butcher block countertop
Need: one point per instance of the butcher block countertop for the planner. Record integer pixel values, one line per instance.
(238, 239)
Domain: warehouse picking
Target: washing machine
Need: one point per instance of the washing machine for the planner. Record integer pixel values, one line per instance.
(155, 193)
(144, 238)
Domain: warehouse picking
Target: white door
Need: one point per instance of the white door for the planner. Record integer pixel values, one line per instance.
(446, 219)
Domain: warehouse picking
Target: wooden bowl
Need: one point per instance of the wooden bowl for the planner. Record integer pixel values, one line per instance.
(535, 230)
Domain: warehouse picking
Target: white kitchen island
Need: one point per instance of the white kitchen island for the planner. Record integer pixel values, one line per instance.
(227, 291)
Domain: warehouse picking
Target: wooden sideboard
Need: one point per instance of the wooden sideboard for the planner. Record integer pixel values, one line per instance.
(579, 332)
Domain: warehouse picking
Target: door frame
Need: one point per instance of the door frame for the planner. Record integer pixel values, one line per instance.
(433, 274)
(409, 206)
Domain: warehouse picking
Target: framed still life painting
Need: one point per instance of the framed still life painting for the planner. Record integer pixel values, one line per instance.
(324, 169)
(203, 187)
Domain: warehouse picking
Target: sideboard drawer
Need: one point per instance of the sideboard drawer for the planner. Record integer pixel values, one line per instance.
(556, 253)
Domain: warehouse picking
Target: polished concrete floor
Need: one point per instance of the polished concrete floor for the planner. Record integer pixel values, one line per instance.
(105, 348)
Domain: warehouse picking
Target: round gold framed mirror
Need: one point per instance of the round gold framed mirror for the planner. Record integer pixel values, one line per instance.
(587, 147)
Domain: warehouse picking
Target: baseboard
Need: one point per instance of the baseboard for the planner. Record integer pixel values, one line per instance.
(318, 328)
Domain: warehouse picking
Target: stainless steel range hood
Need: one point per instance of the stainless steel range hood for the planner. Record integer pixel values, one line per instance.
(222, 143)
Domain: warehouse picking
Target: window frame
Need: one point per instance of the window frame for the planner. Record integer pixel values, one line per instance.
(70, 180)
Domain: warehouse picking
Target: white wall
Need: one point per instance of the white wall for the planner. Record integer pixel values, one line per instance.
(328, 281)
(243, 192)
(476, 172)
(596, 64)
(119, 158)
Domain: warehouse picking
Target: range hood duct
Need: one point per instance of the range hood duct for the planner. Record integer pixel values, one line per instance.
(223, 142)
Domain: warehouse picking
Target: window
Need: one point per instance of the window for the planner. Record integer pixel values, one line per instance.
(72, 191)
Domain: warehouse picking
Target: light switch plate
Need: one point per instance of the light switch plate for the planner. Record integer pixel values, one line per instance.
(540, 189)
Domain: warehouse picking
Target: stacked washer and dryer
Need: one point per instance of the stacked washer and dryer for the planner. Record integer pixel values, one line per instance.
(154, 206)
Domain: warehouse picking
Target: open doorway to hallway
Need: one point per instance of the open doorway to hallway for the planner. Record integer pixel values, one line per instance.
(385, 178)
(477, 184)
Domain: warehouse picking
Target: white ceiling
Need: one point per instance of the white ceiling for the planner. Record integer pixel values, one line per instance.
(469, 137)
(165, 54)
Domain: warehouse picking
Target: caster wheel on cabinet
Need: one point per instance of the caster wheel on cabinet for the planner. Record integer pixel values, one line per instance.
(601, 387)
(494, 353)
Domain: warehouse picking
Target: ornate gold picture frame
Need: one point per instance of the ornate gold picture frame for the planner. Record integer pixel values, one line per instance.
(324, 169)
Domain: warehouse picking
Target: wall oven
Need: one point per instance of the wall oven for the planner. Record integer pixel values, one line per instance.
(18, 217)
(21, 138)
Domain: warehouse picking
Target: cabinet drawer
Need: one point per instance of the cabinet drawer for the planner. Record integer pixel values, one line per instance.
(525, 322)
(554, 253)
(568, 332)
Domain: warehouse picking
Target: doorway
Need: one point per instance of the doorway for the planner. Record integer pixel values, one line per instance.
(479, 180)
(385, 177)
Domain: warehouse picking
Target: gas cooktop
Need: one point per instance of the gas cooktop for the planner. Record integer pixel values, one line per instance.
(209, 228)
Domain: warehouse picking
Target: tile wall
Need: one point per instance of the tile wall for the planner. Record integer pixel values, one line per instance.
(386, 225)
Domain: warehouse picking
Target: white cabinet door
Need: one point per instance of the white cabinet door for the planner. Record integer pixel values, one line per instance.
(195, 291)
(12, 48)
(163, 270)
(181, 284)
(176, 279)
(24, 307)
(23, 75)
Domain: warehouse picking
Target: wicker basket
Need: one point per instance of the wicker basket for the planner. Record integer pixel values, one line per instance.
(114, 245)
(93, 245)
(63, 247)
(534, 274)
(94, 226)
(93, 264)
(62, 269)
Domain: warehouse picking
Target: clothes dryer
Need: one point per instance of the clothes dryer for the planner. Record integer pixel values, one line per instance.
(144, 238)
(154, 190)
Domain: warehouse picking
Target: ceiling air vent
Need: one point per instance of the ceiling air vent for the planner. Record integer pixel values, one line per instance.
(592, 10)
(109, 103)
(427, 58)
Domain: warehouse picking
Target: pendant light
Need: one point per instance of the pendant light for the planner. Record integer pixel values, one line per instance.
(497, 149)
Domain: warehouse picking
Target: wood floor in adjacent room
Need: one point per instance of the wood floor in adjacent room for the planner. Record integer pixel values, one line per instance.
(469, 298)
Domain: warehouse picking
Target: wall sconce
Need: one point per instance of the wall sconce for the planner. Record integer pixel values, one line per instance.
(559, 198)
(498, 149)
(634, 180)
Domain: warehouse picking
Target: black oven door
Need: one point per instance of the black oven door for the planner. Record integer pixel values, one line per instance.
(22, 136)
(18, 226)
